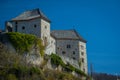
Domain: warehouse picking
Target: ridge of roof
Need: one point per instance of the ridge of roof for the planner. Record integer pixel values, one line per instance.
(30, 14)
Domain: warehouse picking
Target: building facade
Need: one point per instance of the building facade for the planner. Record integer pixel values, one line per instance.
(68, 44)
(71, 47)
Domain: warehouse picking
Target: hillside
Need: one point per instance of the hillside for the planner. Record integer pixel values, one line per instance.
(22, 58)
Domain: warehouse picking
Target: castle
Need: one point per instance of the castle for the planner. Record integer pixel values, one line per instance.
(68, 44)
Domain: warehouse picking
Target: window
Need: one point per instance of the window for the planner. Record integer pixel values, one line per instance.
(84, 69)
(63, 52)
(73, 52)
(45, 27)
(23, 27)
(16, 23)
(83, 60)
(68, 46)
(16, 28)
(82, 47)
(35, 26)
(74, 58)
(82, 53)
(9, 29)
(58, 48)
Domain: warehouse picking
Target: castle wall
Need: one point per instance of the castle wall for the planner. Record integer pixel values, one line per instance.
(28, 27)
(83, 56)
(69, 50)
(51, 48)
(45, 31)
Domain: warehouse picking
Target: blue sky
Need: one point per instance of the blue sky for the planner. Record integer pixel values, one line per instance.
(98, 21)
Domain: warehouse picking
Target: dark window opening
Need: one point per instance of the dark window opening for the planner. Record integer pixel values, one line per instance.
(35, 26)
(73, 52)
(16, 23)
(23, 27)
(82, 53)
(58, 48)
(9, 29)
(83, 60)
(84, 70)
(68, 46)
(45, 27)
(74, 58)
(63, 52)
(16, 28)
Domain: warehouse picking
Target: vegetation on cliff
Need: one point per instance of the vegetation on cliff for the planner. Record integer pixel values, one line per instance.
(24, 42)
(56, 60)
(15, 67)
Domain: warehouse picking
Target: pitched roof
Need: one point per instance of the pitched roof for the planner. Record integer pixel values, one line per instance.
(30, 14)
(67, 34)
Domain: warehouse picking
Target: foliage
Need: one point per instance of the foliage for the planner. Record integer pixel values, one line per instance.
(69, 67)
(80, 72)
(21, 42)
(57, 75)
(56, 60)
(40, 45)
(24, 42)
(11, 77)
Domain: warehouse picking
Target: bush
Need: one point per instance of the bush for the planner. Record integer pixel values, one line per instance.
(24, 42)
(41, 47)
(69, 67)
(21, 42)
(56, 60)
(80, 72)
(11, 77)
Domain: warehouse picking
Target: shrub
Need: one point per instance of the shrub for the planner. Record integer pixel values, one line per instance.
(80, 72)
(11, 77)
(21, 42)
(56, 60)
(40, 45)
(24, 42)
(69, 67)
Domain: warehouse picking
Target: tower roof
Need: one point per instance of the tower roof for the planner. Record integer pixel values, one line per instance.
(31, 14)
(67, 34)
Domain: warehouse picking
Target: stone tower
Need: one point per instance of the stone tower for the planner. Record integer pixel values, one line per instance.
(31, 22)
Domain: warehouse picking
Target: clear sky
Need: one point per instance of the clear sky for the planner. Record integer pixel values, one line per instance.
(98, 21)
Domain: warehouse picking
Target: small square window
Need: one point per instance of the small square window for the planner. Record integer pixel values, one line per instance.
(45, 27)
(35, 26)
(83, 60)
(74, 58)
(63, 52)
(23, 27)
(68, 46)
(16, 23)
(82, 53)
(58, 48)
(73, 52)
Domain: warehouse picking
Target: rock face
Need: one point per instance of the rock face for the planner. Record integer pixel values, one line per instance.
(33, 56)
